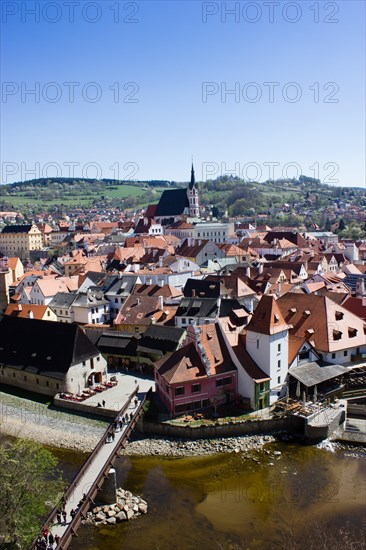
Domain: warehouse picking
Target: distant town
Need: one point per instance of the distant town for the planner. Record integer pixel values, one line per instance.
(219, 311)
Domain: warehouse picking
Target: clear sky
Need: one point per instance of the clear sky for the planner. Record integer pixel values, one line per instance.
(149, 82)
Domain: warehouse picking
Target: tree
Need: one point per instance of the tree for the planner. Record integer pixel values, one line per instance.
(342, 225)
(29, 487)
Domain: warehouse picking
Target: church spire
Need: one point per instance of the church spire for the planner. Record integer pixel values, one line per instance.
(193, 179)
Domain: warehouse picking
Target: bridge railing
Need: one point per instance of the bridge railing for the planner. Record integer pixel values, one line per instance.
(52, 515)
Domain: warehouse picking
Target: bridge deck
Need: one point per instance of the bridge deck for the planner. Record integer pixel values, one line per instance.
(90, 478)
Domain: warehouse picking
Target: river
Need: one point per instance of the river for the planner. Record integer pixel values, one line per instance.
(295, 497)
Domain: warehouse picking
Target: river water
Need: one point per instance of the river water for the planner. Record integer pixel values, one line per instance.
(295, 497)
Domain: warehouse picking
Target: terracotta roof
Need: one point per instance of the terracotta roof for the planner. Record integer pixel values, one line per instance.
(144, 311)
(267, 318)
(356, 306)
(321, 321)
(186, 364)
(21, 310)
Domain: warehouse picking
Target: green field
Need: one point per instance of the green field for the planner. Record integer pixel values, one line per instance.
(121, 192)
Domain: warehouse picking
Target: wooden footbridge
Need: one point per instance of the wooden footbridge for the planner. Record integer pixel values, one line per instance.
(90, 478)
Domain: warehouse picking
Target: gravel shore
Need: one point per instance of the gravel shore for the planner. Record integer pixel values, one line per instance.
(29, 420)
(199, 447)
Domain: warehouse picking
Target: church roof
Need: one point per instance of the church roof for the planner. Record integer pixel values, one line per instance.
(172, 202)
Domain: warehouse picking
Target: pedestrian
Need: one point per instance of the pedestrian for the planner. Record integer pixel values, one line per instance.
(131, 416)
(51, 539)
(135, 381)
(113, 436)
(57, 540)
(103, 403)
(73, 514)
(45, 533)
(136, 401)
(58, 516)
(64, 515)
(49, 547)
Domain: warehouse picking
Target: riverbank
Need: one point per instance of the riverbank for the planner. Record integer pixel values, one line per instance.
(26, 419)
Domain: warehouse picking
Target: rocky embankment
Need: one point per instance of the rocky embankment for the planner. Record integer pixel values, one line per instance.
(126, 508)
(188, 447)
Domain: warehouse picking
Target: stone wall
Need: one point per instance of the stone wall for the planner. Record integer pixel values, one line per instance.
(231, 429)
(84, 408)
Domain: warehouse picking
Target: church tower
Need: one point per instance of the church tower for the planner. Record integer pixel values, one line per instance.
(192, 193)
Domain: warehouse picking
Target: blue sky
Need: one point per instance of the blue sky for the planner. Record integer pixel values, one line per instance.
(173, 63)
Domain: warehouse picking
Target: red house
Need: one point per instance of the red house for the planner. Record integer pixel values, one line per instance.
(199, 375)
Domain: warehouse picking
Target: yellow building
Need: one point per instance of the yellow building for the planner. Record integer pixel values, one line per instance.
(20, 240)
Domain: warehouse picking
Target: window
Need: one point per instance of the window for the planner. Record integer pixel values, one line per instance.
(58, 386)
(25, 378)
(37, 380)
(196, 388)
(84, 363)
(261, 386)
(333, 355)
(279, 380)
(257, 344)
(47, 383)
(345, 353)
(279, 364)
(278, 348)
(179, 391)
(98, 358)
(13, 374)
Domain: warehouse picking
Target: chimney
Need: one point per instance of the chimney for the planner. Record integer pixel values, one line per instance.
(248, 272)
(161, 261)
(30, 314)
(193, 292)
(161, 302)
(279, 289)
(260, 269)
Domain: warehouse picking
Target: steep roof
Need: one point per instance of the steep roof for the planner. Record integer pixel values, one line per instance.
(202, 288)
(172, 203)
(46, 347)
(181, 366)
(325, 324)
(267, 318)
(17, 229)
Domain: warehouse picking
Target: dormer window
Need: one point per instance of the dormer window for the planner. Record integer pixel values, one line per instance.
(307, 312)
(339, 315)
(337, 335)
(352, 332)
